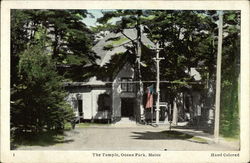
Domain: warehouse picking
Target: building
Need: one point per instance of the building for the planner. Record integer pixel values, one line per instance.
(111, 94)
(109, 97)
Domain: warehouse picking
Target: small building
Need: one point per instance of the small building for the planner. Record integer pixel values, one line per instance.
(109, 101)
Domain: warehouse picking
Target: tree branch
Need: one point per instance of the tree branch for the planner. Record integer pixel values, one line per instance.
(127, 37)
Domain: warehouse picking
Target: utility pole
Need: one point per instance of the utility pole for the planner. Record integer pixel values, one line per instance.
(218, 79)
(157, 59)
(138, 75)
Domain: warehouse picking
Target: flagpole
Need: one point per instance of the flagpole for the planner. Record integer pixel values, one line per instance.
(152, 113)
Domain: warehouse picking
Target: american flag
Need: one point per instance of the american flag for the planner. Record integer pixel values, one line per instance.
(150, 90)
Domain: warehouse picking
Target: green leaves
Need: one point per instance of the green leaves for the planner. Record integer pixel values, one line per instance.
(42, 101)
(63, 30)
(230, 75)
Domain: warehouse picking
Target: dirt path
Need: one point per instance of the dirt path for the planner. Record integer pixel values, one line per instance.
(124, 138)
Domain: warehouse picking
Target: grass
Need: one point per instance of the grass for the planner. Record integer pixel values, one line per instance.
(230, 139)
(177, 135)
(67, 126)
(84, 125)
(45, 138)
(231, 136)
(198, 139)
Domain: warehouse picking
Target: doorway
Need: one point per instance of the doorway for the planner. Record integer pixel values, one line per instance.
(80, 108)
(127, 107)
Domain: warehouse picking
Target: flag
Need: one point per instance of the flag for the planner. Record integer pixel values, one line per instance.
(149, 103)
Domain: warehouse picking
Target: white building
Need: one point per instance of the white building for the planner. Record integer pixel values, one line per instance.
(115, 97)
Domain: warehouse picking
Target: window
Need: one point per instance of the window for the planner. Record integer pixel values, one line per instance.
(127, 85)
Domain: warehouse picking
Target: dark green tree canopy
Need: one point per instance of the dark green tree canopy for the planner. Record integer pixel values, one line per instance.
(39, 101)
(68, 38)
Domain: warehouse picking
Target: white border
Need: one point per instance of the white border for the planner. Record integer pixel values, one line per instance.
(83, 156)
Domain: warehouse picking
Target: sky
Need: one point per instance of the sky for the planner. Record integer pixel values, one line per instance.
(90, 21)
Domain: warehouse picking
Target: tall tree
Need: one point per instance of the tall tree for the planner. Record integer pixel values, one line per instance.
(42, 43)
(189, 40)
(229, 116)
(70, 40)
(183, 36)
(38, 99)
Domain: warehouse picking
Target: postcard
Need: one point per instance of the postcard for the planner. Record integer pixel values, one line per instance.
(125, 81)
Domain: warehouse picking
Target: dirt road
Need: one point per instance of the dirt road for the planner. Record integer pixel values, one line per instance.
(127, 138)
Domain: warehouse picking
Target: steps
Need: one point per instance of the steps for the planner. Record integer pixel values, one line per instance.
(125, 121)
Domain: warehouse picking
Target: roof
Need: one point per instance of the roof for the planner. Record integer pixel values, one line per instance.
(93, 82)
(119, 45)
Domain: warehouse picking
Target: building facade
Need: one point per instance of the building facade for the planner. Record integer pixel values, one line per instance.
(114, 97)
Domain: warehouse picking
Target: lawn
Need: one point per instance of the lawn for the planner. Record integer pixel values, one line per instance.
(83, 125)
(45, 138)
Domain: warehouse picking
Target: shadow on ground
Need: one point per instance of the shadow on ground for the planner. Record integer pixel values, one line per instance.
(205, 129)
(167, 135)
(39, 139)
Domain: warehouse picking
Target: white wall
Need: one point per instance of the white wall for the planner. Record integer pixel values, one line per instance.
(89, 99)
(87, 105)
(89, 96)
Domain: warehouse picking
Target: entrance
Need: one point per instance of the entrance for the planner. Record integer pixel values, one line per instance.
(127, 107)
(80, 108)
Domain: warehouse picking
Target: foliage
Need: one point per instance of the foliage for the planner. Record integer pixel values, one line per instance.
(39, 139)
(38, 101)
(230, 75)
(70, 41)
(189, 40)
(42, 41)
(182, 39)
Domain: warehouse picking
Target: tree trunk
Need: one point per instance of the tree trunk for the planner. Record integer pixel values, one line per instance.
(138, 72)
(175, 112)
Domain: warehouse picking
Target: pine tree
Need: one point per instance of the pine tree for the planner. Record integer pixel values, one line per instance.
(229, 115)
(70, 39)
(39, 100)
(40, 41)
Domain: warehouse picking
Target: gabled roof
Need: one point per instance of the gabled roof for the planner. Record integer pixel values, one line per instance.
(119, 45)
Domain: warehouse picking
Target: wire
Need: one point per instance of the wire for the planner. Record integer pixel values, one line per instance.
(132, 82)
